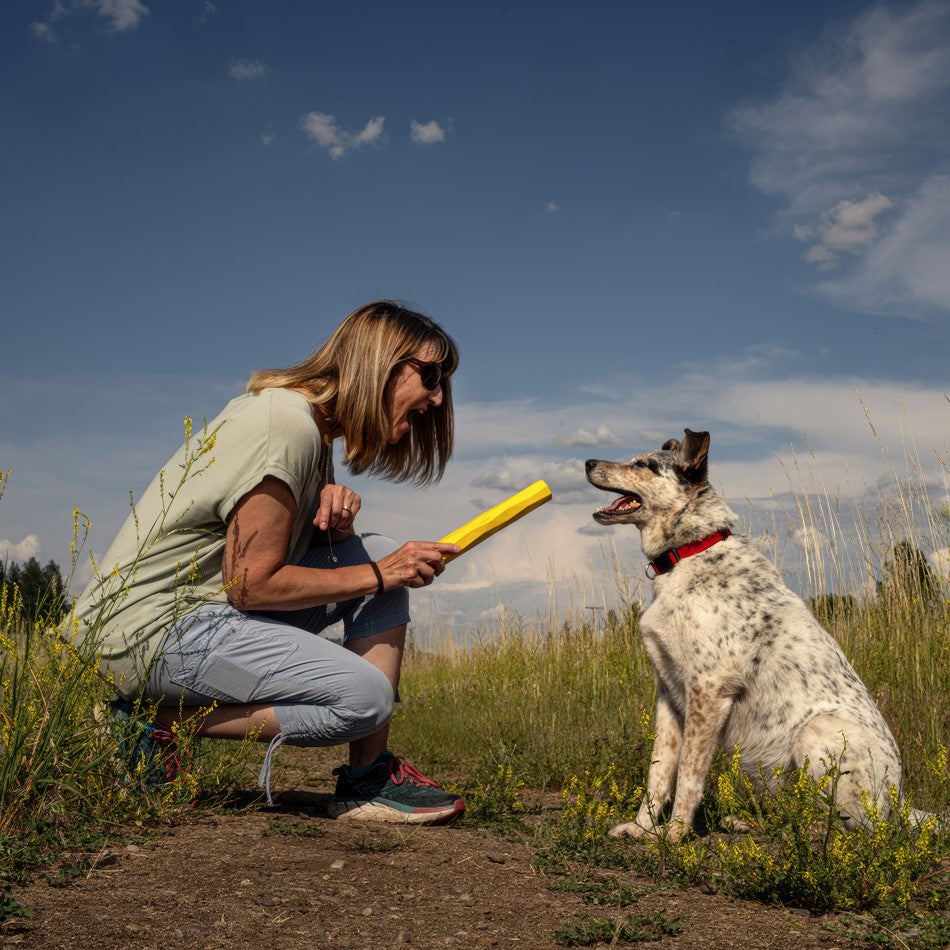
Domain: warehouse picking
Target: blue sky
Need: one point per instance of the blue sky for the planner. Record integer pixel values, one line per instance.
(633, 218)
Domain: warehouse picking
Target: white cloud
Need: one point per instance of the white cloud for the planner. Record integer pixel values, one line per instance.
(862, 126)
(10, 552)
(809, 537)
(552, 207)
(496, 612)
(753, 414)
(267, 138)
(43, 30)
(245, 69)
(906, 270)
(518, 472)
(120, 15)
(847, 227)
(582, 437)
(324, 130)
(426, 133)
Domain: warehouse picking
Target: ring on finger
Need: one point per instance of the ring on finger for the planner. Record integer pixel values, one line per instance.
(347, 508)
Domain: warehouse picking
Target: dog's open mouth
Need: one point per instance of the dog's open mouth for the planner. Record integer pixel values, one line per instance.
(626, 503)
(623, 505)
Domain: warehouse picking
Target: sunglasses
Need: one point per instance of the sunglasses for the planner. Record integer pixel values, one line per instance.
(429, 373)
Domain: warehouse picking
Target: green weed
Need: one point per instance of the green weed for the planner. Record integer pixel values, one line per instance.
(602, 891)
(493, 792)
(893, 930)
(10, 907)
(293, 828)
(381, 843)
(581, 930)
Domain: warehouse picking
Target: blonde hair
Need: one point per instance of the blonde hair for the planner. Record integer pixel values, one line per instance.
(346, 379)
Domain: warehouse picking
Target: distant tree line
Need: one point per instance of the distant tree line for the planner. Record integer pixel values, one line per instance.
(907, 580)
(42, 589)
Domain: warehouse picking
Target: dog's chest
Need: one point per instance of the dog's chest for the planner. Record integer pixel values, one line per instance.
(678, 641)
(704, 621)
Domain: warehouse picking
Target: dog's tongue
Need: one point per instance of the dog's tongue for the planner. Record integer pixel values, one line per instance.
(624, 503)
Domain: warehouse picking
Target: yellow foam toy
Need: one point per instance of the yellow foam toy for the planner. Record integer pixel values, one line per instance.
(488, 522)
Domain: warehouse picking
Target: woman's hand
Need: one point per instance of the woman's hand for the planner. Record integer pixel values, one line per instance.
(415, 564)
(337, 511)
(257, 576)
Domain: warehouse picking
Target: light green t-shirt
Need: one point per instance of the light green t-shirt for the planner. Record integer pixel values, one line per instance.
(167, 558)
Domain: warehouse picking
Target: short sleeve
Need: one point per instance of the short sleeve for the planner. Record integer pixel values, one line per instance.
(273, 434)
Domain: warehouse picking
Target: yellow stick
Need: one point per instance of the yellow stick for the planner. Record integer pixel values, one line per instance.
(488, 522)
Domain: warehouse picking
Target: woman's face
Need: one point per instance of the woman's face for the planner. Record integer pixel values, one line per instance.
(406, 394)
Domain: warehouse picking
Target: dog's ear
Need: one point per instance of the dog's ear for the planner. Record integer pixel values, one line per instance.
(670, 445)
(694, 451)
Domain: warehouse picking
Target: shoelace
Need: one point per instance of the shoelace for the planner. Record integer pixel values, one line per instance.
(400, 770)
(263, 780)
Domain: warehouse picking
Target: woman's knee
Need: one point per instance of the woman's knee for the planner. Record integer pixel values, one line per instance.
(364, 707)
(378, 545)
(371, 705)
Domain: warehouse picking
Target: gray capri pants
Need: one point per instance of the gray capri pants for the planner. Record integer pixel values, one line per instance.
(322, 693)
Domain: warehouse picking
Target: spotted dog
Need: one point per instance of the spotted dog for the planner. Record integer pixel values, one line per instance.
(738, 657)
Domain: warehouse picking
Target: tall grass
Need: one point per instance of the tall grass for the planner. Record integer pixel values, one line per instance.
(551, 702)
(894, 625)
(65, 769)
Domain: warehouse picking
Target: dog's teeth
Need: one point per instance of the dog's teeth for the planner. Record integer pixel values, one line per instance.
(627, 503)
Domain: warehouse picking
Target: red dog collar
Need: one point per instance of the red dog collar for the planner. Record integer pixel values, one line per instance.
(669, 559)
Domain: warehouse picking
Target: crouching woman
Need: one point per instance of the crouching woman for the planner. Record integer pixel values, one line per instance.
(216, 588)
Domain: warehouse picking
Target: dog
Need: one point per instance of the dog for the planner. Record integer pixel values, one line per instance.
(739, 659)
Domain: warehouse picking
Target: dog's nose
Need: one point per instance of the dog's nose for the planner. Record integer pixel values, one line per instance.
(589, 464)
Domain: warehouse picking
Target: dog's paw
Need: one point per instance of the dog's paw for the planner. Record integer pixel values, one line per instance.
(675, 831)
(629, 829)
(735, 823)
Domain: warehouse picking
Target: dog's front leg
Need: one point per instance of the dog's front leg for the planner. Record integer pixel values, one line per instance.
(707, 708)
(666, 753)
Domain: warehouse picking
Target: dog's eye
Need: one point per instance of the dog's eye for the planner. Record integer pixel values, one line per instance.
(639, 463)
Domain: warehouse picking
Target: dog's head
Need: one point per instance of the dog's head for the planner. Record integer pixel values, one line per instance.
(653, 484)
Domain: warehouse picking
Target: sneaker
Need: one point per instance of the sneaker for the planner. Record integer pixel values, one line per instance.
(393, 790)
(148, 752)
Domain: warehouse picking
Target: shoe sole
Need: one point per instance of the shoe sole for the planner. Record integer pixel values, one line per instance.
(378, 811)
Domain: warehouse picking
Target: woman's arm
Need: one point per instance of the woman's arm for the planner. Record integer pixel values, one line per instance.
(259, 578)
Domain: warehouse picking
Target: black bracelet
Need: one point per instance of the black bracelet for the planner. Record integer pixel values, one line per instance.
(379, 577)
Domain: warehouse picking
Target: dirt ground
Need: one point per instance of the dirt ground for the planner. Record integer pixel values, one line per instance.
(289, 877)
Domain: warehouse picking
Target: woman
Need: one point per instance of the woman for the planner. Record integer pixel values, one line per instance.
(222, 578)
